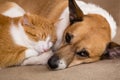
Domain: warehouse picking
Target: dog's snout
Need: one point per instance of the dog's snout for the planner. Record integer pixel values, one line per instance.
(53, 62)
(56, 63)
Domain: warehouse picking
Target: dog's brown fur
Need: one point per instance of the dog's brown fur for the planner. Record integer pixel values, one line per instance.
(88, 35)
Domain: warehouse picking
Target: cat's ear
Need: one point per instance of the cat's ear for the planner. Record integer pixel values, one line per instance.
(26, 20)
(112, 51)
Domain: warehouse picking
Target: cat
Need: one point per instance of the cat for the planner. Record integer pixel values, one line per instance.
(24, 37)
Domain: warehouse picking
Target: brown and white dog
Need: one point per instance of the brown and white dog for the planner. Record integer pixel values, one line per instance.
(84, 32)
(87, 36)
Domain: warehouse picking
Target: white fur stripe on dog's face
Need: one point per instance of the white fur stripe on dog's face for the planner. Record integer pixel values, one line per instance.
(14, 11)
(62, 64)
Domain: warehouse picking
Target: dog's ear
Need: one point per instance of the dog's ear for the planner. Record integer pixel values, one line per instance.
(112, 51)
(76, 13)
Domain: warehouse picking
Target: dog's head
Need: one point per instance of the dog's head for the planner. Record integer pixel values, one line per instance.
(87, 39)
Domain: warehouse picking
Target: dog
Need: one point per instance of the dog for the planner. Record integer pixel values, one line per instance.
(84, 32)
(87, 36)
(23, 35)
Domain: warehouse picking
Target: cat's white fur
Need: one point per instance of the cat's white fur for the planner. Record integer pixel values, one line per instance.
(42, 59)
(33, 48)
(19, 36)
(30, 53)
(14, 11)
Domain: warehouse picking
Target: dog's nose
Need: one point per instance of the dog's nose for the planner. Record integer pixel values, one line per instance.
(53, 62)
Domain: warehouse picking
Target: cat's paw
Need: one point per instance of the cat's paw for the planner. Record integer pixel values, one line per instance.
(41, 59)
(31, 53)
(43, 46)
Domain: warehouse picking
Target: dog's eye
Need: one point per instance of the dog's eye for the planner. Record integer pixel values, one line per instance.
(83, 53)
(68, 37)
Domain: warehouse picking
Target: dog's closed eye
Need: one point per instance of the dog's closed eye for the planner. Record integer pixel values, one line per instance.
(83, 53)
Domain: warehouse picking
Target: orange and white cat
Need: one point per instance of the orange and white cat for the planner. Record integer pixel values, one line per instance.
(24, 35)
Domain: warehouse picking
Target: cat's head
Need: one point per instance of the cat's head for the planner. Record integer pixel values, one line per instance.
(37, 27)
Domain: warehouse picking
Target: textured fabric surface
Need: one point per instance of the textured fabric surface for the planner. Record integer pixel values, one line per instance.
(101, 70)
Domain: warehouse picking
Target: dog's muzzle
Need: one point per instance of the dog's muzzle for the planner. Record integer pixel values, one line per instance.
(56, 63)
